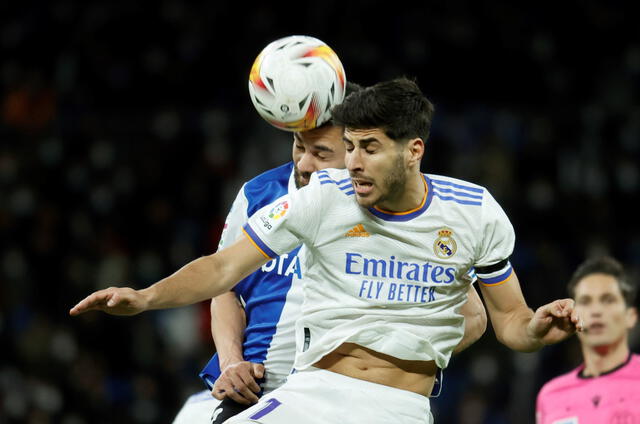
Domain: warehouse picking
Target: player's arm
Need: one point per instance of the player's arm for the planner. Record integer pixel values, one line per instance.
(228, 322)
(238, 378)
(201, 279)
(522, 329)
(475, 320)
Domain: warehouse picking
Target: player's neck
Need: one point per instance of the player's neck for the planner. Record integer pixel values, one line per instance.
(411, 198)
(602, 359)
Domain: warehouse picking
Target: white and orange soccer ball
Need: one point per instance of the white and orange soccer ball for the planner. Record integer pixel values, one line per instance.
(295, 81)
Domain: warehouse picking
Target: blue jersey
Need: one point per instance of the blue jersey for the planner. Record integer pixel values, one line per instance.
(271, 305)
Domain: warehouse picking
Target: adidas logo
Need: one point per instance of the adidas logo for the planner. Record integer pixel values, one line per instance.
(357, 231)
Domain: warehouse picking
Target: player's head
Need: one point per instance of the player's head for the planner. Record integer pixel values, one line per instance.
(319, 148)
(386, 126)
(604, 297)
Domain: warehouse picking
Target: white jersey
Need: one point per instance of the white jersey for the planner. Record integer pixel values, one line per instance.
(391, 282)
(271, 300)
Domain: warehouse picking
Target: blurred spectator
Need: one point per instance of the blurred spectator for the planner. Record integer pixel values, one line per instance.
(605, 387)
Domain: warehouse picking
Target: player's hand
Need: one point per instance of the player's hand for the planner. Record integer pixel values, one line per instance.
(554, 322)
(114, 301)
(238, 382)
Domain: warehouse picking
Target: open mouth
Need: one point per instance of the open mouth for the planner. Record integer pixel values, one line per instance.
(362, 187)
(596, 328)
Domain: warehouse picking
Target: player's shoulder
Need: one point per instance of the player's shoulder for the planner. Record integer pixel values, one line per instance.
(630, 369)
(634, 362)
(268, 186)
(560, 383)
(279, 175)
(456, 190)
(333, 174)
(332, 179)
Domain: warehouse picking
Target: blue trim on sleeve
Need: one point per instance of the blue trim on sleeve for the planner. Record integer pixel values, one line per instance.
(458, 193)
(325, 176)
(459, 201)
(261, 245)
(345, 184)
(496, 280)
(462, 187)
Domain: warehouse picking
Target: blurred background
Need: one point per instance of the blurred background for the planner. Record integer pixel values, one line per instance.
(126, 130)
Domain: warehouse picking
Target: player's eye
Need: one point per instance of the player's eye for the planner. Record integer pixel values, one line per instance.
(583, 301)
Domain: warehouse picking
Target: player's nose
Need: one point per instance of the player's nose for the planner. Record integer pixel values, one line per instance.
(353, 161)
(307, 163)
(594, 311)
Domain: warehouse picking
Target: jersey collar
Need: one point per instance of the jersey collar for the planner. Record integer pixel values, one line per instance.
(614, 369)
(408, 215)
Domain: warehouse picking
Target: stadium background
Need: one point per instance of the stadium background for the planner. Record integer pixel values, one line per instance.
(126, 130)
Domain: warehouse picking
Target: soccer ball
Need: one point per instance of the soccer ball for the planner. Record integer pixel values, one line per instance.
(295, 81)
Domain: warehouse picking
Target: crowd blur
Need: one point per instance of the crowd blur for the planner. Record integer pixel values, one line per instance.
(126, 129)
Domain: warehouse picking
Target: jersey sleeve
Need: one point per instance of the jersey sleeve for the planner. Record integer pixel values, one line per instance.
(236, 218)
(287, 222)
(492, 266)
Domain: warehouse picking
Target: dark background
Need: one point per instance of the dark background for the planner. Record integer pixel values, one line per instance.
(126, 130)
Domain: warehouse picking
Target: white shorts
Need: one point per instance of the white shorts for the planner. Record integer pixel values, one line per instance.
(317, 396)
(198, 409)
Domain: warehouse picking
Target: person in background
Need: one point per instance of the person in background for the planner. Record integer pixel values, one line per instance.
(606, 387)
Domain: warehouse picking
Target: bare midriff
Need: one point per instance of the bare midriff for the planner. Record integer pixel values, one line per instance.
(359, 362)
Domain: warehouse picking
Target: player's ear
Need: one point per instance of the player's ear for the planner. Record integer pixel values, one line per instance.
(632, 317)
(415, 148)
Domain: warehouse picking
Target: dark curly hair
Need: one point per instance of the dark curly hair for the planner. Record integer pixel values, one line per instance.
(397, 107)
(604, 265)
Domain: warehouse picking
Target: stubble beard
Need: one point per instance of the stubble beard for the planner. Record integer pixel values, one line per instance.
(393, 184)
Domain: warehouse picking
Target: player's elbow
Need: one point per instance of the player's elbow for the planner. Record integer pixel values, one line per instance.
(475, 316)
(481, 322)
(477, 324)
(514, 342)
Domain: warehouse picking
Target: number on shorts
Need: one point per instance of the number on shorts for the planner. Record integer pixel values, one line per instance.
(273, 403)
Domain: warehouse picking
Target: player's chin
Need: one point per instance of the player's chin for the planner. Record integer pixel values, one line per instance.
(366, 200)
(594, 341)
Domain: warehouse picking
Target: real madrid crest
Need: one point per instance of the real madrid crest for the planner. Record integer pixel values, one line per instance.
(445, 246)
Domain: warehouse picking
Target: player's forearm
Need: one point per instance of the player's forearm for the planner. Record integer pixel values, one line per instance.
(199, 280)
(228, 322)
(512, 330)
(510, 315)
